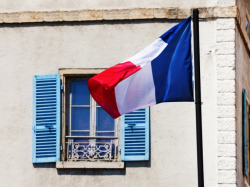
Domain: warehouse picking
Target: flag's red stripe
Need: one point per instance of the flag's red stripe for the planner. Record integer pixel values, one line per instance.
(102, 86)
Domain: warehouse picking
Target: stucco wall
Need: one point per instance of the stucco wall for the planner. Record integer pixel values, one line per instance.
(42, 5)
(35, 49)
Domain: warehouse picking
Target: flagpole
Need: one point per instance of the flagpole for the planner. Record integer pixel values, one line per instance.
(198, 97)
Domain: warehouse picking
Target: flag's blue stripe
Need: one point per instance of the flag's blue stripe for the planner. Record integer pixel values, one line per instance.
(172, 69)
(167, 36)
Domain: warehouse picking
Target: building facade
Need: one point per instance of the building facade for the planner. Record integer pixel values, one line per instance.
(70, 41)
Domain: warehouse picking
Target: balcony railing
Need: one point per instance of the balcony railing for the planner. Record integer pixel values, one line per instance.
(92, 148)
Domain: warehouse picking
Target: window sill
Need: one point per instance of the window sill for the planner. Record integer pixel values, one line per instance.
(90, 165)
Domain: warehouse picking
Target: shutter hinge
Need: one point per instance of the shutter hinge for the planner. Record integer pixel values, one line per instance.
(61, 87)
(61, 147)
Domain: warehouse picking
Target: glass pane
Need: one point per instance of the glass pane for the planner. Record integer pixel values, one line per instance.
(81, 140)
(105, 134)
(104, 122)
(80, 118)
(80, 93)
(80, 134)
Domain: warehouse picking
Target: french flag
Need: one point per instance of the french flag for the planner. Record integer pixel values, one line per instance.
(162, 72)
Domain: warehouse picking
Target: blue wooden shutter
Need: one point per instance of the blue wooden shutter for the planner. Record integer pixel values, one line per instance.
(135, 135)
(244, 110)
(46, 118)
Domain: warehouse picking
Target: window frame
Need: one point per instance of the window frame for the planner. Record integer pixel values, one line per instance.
(248, 140)
(67, 74)
(93, 110)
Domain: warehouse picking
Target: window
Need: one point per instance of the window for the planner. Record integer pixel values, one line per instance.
(71, 129)
(246, 140)
(90, 131)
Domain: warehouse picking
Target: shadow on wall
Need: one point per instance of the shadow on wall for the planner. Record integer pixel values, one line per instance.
(95, 171)
(104, 171)
(91, 171)
(81, 23)
(44, 165)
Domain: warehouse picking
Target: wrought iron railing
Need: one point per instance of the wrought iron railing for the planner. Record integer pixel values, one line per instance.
(92, 149)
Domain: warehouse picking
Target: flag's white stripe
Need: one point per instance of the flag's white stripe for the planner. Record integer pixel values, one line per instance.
(148, 54)
(137, 91)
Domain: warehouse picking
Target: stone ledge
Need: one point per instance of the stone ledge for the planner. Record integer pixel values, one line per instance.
(80, 71)
(90, 165)
(116, 14)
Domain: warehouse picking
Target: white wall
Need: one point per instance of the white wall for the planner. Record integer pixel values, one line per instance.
(226, 110)
(43, 5)
(27, 50)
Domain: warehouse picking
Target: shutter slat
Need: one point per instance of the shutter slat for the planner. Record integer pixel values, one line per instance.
(46, 108)
(41, 136)
(46, 98)
(41, 110)
(46, 95)
(135, 144)
(135, 135)
(46, 118)
(45, 155)
(47, 113)
(45, 142)
(46, 92)
(134, 151)
(46, 151)
(45, 148)
(132, 121)
(45, 123)
(131, 146)
(48, 104)
(46, 101)
(47, 86)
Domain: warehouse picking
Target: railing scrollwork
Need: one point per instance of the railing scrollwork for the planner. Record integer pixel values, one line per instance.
(91, 150)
